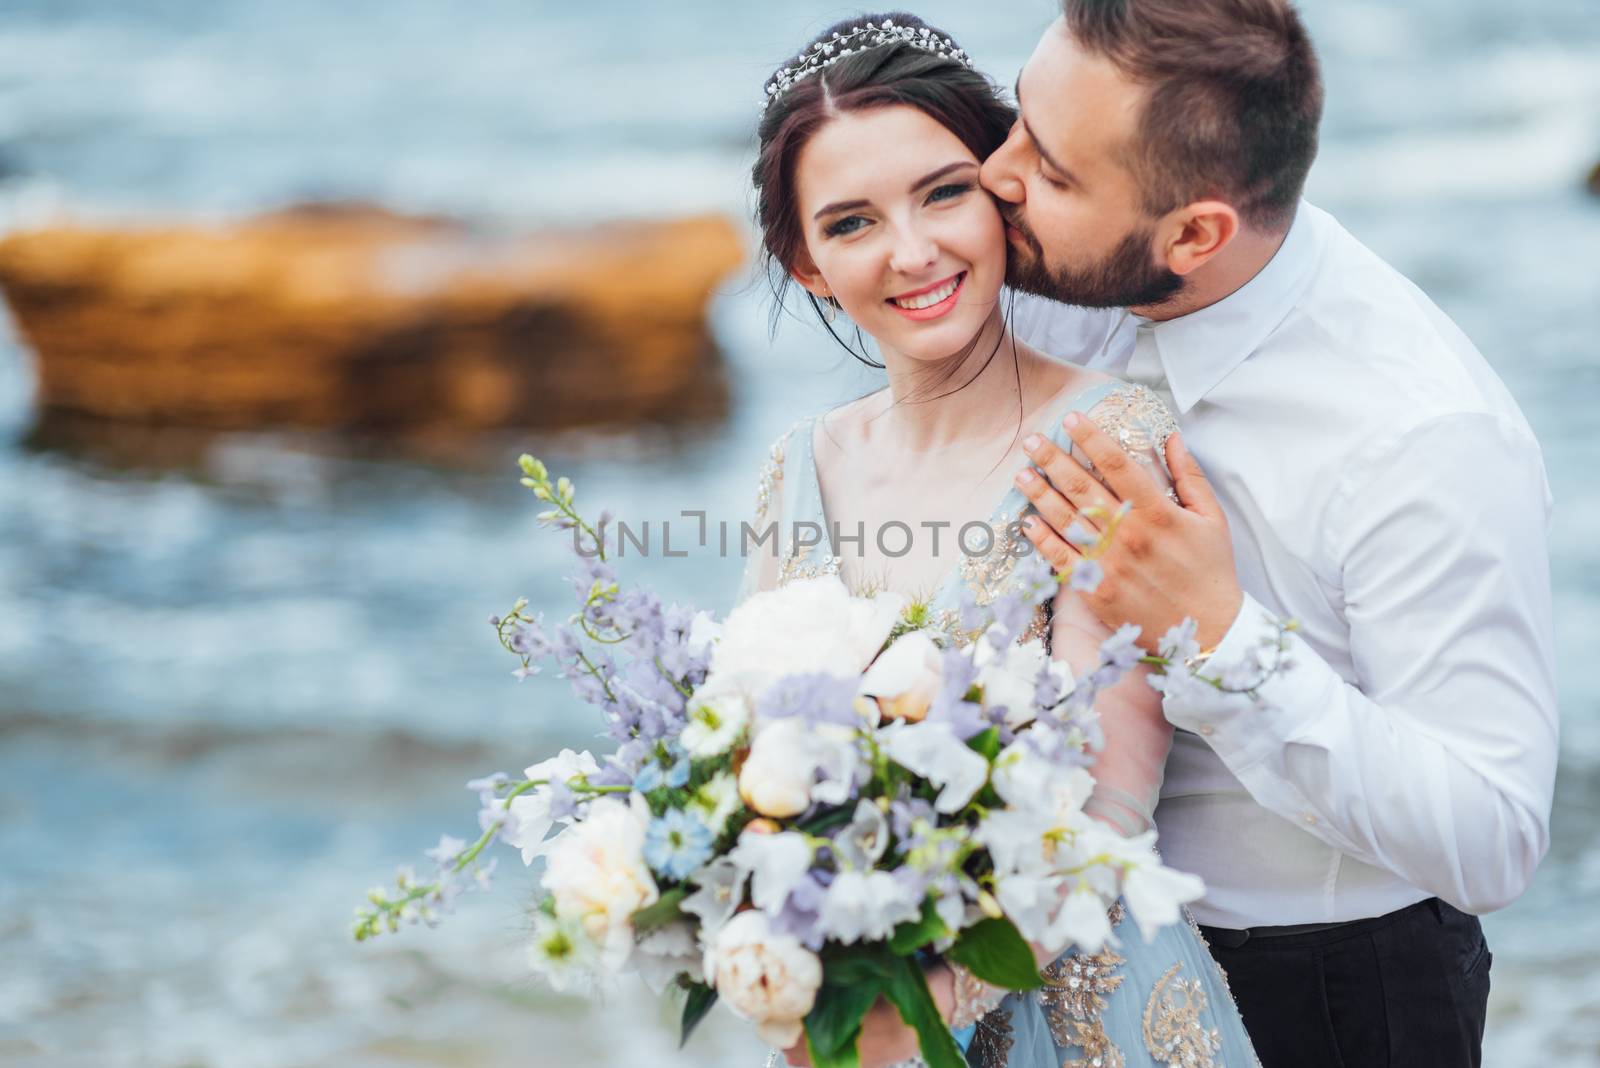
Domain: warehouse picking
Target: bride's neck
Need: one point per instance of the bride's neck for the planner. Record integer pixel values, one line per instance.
(969, 396)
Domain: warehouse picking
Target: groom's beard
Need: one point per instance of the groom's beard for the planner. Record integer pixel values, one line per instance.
(1126, 278)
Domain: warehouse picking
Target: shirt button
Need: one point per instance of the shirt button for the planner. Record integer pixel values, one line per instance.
(1207, 729)
(1309, 818)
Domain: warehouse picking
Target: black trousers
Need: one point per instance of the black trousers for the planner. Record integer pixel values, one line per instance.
(1409, 989)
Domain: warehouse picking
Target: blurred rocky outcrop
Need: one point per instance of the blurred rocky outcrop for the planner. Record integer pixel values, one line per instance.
(353, 317)
(1593, 184)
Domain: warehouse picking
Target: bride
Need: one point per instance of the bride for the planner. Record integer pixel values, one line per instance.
(867, 183)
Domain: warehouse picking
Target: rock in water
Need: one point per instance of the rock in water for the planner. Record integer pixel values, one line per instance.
(352, 317)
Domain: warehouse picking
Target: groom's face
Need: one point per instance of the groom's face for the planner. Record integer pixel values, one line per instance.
(1075, 228)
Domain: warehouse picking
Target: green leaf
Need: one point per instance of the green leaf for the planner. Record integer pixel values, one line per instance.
(912, 935)
(695, 1007)
(986, 742)
(662, 912)
(908, 990)
(833, 1025)
(826, 821)
(994, 952)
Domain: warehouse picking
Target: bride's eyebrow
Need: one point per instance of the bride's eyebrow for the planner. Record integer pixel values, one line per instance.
(927, 179)
(934, 176)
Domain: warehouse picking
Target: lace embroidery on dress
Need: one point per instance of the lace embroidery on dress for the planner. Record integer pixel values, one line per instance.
(1140, 422)
(768, 482)
(1173, 1031)
(1136, 419)
(796, 565)
(1074, 997)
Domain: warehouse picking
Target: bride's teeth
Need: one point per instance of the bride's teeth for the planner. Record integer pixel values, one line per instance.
(928, 300)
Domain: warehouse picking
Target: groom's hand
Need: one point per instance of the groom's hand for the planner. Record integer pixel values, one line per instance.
(1166, 560)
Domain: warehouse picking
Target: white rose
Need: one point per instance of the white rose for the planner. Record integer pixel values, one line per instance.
(764, 976)
(905, 678)
(780, 777)
(598, 876)
(806, 626)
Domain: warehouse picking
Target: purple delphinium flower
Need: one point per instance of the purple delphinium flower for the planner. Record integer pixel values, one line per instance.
(446, 852)
(904, 814)
(1086, 576)
(815, 698)
(801, 914)
(950, 704)
(529, 639)
(488, 788)
(1011, 615)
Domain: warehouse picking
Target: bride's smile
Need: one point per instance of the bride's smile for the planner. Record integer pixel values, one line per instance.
(898, 231)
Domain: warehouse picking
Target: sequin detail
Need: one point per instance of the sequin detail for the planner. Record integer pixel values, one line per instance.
(1074, 997)
(1173, 1031)
(1136, 419)
(991, 1041)
(798, 565)
(769, 482)
(974, 998)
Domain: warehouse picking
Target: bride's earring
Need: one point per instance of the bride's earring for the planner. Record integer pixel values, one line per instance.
(830, 310)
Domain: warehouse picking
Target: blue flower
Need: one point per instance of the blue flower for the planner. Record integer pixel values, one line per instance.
(676, 843)
(650, 777)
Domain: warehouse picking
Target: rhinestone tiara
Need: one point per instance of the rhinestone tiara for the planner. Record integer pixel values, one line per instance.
(826, 53)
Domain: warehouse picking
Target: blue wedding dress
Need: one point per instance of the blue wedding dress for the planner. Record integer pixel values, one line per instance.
(1135, 1005)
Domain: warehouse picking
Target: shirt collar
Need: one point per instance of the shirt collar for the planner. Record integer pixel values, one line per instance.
(1198, 350)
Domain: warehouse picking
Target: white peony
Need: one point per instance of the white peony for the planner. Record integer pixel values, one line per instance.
(598, 876)
(791, 763)
(764, 976)
(806, 626)
(905, 678)
(528, 816)
(717, 718)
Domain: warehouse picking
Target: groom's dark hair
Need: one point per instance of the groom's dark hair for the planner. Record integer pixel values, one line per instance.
(1234, 99)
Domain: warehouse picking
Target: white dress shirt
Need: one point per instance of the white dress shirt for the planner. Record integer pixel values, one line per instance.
(1384, 491)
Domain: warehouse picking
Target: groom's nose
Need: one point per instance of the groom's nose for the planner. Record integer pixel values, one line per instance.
(1000, 173)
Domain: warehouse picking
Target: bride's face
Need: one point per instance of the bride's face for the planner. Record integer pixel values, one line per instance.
(898, 230)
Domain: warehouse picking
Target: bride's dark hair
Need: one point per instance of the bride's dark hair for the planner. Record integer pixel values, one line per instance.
(952, 94)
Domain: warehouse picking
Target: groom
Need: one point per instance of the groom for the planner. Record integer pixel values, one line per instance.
(1366, 475)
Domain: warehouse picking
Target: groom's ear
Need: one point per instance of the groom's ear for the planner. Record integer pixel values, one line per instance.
(804, 271)
(1198, 232)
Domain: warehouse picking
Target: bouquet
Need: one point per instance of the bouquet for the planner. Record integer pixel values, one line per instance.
(806, 802)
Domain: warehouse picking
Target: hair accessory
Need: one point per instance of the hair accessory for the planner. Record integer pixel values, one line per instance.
(825, 54)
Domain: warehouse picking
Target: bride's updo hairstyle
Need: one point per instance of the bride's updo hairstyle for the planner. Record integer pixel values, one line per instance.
(941, 86)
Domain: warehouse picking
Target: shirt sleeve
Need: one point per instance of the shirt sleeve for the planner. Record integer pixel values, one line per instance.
(1436, 760)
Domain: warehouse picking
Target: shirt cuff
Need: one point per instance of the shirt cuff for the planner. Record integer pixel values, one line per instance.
(1246, 719)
